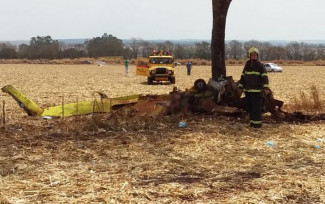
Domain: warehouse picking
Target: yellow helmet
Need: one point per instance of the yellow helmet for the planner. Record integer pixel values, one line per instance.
(252, 50)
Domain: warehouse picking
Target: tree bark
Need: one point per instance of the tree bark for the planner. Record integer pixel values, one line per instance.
(220, 9)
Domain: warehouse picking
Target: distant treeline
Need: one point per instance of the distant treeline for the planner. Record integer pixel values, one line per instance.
(109, 45)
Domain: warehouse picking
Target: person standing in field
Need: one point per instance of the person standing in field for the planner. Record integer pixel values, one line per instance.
(126, 65)
(253, 82)
(189, 67)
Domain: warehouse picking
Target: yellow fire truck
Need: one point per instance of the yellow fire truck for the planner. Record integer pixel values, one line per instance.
(158, 67)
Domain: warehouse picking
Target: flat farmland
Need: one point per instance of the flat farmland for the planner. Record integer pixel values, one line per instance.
(46, 84)
(113, 159)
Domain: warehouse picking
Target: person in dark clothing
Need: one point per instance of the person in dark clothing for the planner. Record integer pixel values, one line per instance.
(254, 82)
(189, 67)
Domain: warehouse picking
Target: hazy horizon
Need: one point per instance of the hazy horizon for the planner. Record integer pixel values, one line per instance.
(261, 20)
(181, 41)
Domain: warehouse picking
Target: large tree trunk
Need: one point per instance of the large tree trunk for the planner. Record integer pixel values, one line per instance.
(220, 9)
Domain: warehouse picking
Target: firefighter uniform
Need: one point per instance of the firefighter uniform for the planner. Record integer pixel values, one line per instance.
(253, 81)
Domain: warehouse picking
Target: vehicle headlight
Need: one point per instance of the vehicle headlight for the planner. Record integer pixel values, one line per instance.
(170, 72)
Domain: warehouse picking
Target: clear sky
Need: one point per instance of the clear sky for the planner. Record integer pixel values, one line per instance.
(168, 19)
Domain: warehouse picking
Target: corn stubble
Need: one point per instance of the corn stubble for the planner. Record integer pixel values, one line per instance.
(121, 157)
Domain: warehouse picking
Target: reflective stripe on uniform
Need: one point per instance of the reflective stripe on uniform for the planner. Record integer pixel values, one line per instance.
(264, 74)
(240, 85)
(253, 90)
(252, 73)
(266, 86)
(255, 122)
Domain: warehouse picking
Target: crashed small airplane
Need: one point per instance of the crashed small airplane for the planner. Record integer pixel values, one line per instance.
(80, 108)
(215, 97)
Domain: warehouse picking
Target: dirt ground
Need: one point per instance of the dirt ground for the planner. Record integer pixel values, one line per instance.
(120, 157)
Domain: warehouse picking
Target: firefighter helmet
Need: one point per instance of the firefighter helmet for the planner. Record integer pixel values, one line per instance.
(252, 50)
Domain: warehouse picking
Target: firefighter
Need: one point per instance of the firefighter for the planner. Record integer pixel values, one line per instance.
(189, 67)
(254, 83)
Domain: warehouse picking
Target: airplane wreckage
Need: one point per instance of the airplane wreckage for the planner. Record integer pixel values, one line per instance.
(215, 97)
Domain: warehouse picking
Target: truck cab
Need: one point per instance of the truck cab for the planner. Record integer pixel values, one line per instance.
(158, 67)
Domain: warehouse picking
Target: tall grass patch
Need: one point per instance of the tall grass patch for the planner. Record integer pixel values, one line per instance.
(309, 102)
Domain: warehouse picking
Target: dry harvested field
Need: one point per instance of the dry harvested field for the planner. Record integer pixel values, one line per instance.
(124, 158)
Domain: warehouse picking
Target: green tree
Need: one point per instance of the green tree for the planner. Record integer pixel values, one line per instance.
(107, 45)
(7, 51)
(72, 53)
(23, 51)
(43, 48)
